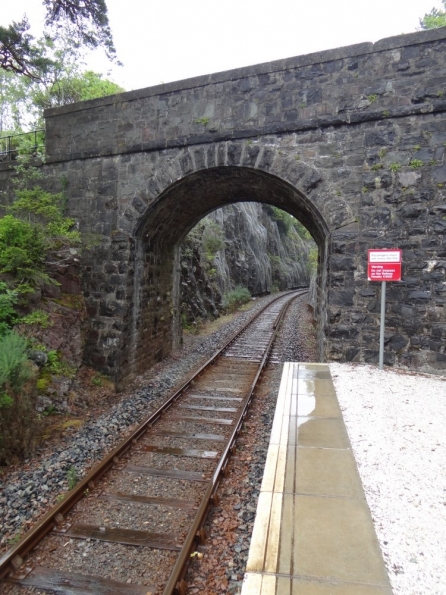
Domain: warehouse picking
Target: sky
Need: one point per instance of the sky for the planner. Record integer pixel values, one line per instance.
(160, 41)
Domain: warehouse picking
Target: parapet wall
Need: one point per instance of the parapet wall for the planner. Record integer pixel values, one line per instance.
(395, 77)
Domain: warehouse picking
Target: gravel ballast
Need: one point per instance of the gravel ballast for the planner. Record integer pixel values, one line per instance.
(396, 424)
(29, 489)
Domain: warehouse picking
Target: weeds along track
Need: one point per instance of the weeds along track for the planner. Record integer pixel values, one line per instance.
(132, 524)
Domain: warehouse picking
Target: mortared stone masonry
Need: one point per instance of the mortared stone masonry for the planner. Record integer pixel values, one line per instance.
(351, 141)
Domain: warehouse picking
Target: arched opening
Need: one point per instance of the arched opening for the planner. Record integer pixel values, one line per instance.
(154, 316)
(240, 252)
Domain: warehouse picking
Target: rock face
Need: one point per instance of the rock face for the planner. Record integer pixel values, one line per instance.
(239, 245)
(64, 333)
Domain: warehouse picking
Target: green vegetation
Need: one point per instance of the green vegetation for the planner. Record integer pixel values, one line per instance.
(435, 18)
(17, 420)
(15, 539)
(84, 23)
(312, 261)
(57, 367)
(96, 381)
(36, 318)
(43, 383)
(8, 313)
(395, 167)
(416, 163)
(61, 79)
(33, 233)
(22, 100)
(287, 223)
(372, 98)
(212, 241)
(50, 410)
(199, 253)
(236, 298)
(35, 236)
(72, 478)
(276, 266)
(204, 121)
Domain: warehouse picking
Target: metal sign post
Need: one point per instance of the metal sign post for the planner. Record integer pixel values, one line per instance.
(383, 265)
(382, 324)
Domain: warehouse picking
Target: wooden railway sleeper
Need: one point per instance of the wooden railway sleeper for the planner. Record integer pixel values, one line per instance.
(49, 521)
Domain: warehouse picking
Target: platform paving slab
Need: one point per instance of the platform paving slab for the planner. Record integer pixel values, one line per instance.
(313, 533)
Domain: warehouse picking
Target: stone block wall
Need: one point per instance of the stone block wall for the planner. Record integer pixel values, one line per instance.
(351, 141)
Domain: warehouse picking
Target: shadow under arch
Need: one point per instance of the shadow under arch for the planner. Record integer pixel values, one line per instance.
(155, 327)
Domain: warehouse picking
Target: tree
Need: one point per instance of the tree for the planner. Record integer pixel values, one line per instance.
(85, 22)
(10, 97)
(62, 81)
(435, 18)
(77, 87)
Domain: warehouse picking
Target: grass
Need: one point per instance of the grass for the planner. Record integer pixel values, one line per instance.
(211, 326)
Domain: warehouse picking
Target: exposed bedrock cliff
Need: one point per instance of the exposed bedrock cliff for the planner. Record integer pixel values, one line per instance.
(246, 244)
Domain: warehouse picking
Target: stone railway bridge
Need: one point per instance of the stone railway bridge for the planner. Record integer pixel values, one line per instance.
(350, 141)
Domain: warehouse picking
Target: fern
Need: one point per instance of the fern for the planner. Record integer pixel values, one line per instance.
(8, 315)
(15, 369)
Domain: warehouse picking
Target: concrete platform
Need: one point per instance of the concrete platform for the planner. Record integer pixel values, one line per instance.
(313, 532)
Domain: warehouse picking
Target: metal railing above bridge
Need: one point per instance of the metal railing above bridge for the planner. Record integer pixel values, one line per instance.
(27, 143)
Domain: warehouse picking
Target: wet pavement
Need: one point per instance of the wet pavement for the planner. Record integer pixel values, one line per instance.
(313, 533)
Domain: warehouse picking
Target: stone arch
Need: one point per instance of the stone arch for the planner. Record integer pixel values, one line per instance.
(203, 179)
(162, 171)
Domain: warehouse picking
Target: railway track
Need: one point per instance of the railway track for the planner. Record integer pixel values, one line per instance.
(132, 524)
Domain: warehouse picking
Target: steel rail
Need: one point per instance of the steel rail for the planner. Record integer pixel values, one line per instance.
(176, 584)
(13, 558)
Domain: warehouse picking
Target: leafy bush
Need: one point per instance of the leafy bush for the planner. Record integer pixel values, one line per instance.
(8, 315)
(34, 237)
(212, 240)
(36, 318)
(286, 222)
(18, 420)
(235, 298)
(57, 366)
(22, 251)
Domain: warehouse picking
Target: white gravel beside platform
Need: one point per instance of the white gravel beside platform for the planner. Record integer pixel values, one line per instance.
(396, 422)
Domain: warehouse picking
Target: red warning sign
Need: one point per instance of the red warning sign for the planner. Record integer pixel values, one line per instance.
(384, 265)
